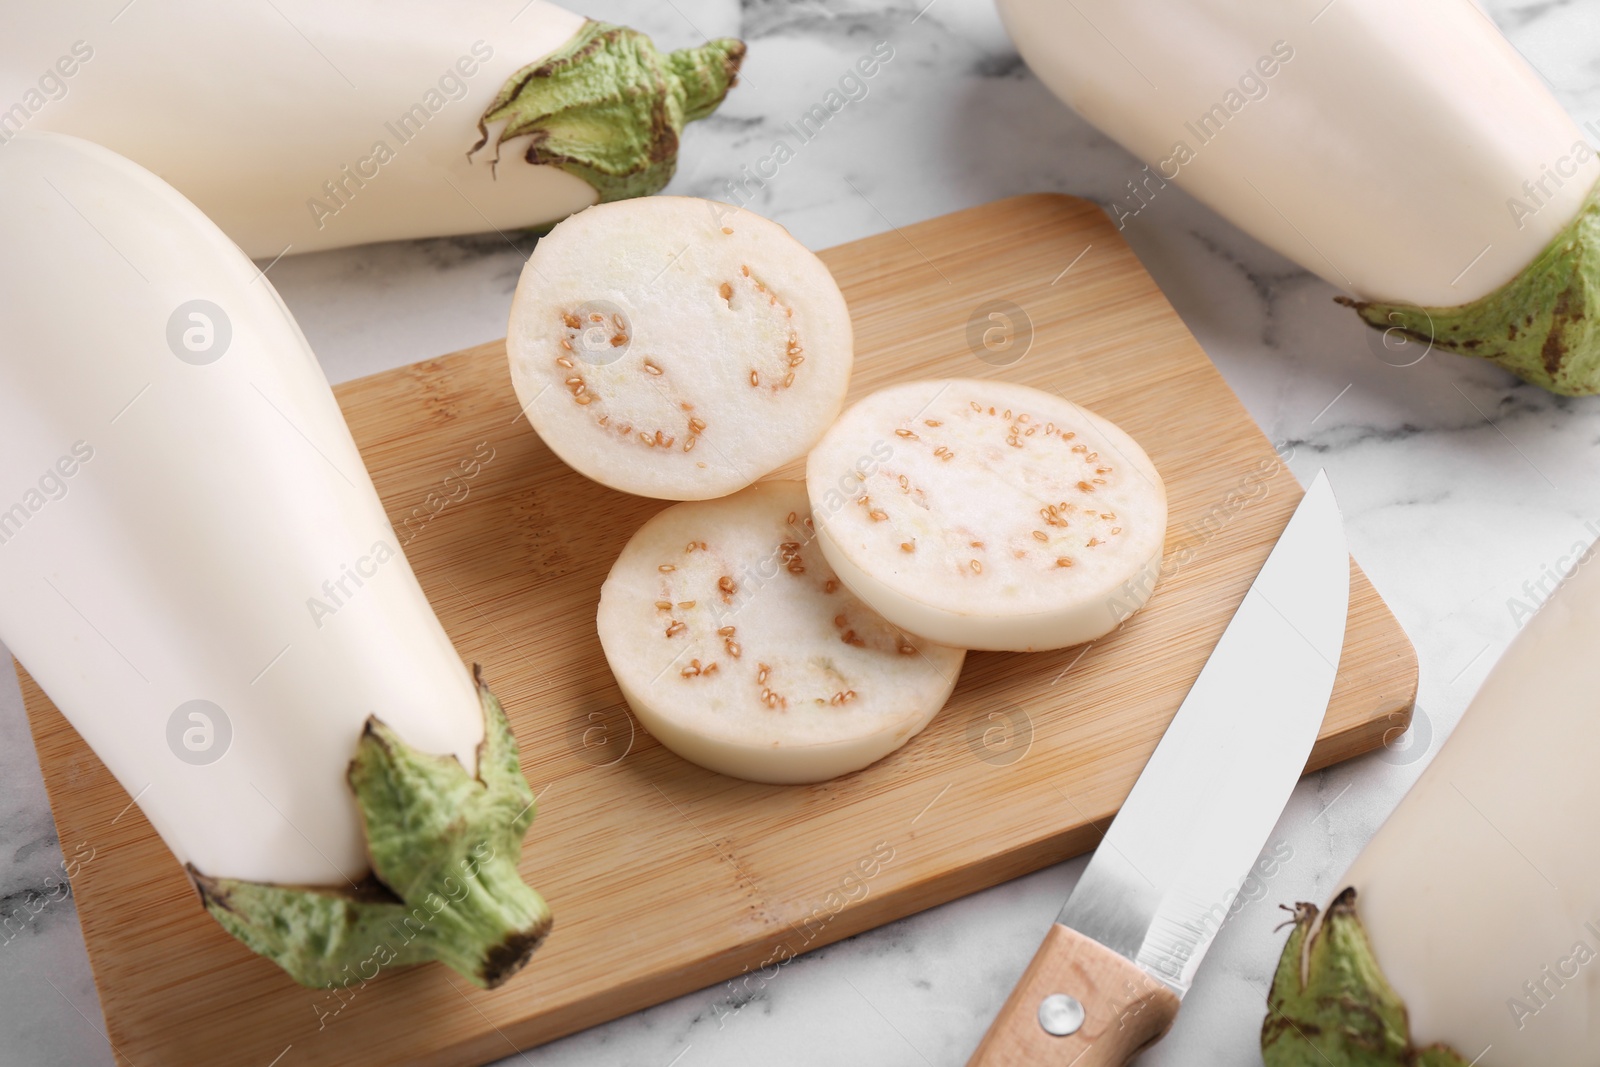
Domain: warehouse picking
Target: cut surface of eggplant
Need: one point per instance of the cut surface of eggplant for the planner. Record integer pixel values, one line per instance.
(740, 650)
(677, 348)
(988, 515)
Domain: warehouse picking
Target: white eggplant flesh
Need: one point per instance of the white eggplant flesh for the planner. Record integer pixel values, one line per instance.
(1404, 152)
(1481, 892)
(299, 125)
(740, 650)
(677, 348)
(988, 515)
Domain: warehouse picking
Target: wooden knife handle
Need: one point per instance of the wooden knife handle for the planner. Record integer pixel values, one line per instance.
(1124, 1009)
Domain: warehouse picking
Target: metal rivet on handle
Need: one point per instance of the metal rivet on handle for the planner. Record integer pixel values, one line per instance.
(1060, 1014)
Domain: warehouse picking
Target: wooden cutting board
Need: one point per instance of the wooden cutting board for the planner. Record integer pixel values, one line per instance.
(665, 878)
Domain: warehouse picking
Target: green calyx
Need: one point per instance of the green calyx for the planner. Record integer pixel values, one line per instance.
(443, 846)
(610, 108)
(1330, 1005)
(1543, 325)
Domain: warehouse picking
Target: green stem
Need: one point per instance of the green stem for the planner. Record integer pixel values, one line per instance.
(1330, 1004)
(1543, 325)
(491, 929)
(609, 108)
(443, 846)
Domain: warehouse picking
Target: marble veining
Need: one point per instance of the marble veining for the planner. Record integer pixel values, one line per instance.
(1460, 489)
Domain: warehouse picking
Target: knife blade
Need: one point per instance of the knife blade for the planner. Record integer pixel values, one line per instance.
(1109, 977)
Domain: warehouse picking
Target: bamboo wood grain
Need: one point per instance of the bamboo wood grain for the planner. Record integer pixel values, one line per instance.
(665, 878)
(1124, 1009)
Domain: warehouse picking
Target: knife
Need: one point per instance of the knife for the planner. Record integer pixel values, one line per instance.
(1108, 979)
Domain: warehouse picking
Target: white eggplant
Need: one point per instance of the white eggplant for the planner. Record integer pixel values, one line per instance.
(195, 567)
(299, 125)
(677, 348)
(1404, 152)
(988, 515)
(739, 649)
(1481, 892)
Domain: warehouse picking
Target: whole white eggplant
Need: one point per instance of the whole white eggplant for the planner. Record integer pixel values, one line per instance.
(1479, 898)
(1404, 152)
(298, 125)
(195, 567)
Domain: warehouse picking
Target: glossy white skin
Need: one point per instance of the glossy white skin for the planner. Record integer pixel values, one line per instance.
(218, 499)
(782, 619)
(1382, 155)
(653, 271)
(249, 108)
(976, 575)
(1488, 872)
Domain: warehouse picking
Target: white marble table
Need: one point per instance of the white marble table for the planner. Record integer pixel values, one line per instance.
(1449, 513)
